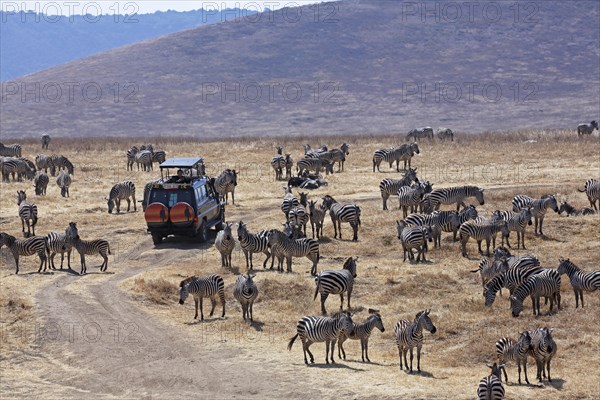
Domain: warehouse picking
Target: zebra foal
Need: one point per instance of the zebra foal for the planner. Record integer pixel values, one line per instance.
(253, 243)
(362, 332)
(509, 349)
(226, 183)
(88, 247)
(580, 280)
(543, 349)
(538, 207)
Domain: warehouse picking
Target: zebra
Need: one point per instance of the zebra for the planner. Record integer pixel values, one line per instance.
(284, 247)
(430, 220)
(298, 218)
(289, 201)
(546, 283)
(317, 217)
(516, 222)
(225, 243)
(445, 133)
(340, 155)
(159, 156)
(572, 211)
(64, 181)
(450, 221)
(253, 243)
(87, 247)
(490, 387)
(413, 238)
(131, 152)
(278, 164)
(489, 268)
(226, 183)
(586, 129)
(316, 164)
(59, 243)
(389, 187)
(40, 182)
(310, 153)
(289, 163)
(210, 286)
(409, 335)
(321, 329)
(245, 291)
(12, 150)
(592, 191)
(538, 208)
(390, 155)
(16, 168)
(342, 212)
(510, 279)
(336, 282)
(479, 232)
(362, 332)
(120, 191)
(456, 194)
(509, 349)
(27, 212)
(409, 196)
(543, 348)
(580, 280)
(147, 147)
(43, 161)
(408, 153)
(62, 162)
(26, 247)
(45, 140)
(419, 133)
(143, 157)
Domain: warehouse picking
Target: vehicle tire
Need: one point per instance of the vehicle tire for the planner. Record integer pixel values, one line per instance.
(202, 232)
(156, 239)
(219, 225)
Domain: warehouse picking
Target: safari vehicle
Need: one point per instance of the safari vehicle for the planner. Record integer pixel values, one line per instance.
(183, 202)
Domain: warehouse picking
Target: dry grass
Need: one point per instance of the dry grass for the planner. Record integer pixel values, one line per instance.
(453, 359)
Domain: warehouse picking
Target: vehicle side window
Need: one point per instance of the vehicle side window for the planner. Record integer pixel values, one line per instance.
(202, 190)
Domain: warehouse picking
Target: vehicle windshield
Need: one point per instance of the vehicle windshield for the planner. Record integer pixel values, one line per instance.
(170, 197)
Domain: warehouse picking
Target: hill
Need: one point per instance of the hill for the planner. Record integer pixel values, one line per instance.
(351, 67)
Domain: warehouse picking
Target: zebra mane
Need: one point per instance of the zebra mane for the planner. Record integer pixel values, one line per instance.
(187, 280)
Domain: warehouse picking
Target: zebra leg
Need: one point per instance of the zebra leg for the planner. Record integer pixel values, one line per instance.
(307, 346)
(541, 222)
(324, 296)
(419, 358)
(332, 351)
(525, 370)
(201, 310)
(400, 355)
(289, 263)
(250, 307)
(51, 261)
(327, 352)
(213, 304)
(105, 263)
(581, 296)
(548, 368)
(196, 308)
(244, 310)
(503, 369)
(411, 359)
(128, 204)
(364, 343)
(68, 259)
(83, 268)
(479, 247)
(341, 347)
(269, 255)
(355, 229)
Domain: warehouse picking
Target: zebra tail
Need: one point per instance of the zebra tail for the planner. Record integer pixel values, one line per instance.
(109, 249)
(47, 246)
(582, 191)
(358, 214)
(292, 340)
(318, 279)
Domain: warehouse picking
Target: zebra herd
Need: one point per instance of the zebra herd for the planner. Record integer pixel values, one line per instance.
(313, 160)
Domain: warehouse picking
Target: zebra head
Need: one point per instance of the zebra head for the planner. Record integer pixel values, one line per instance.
(479, 196)
(345, 148)
(400, 225)
(414, 147)
(547, 338)
(411, 175)
(111, 204)
(594, 124)
(328, 201)
(183, 289)
(242, 231)
(344, 321)
(516, 306)
(524, 340)
(21, 196)
(6, 239)
(328, 167)
(550, 202)
(71, 232)
(496, 369)
(375, 319)
(504, 228)
(227, 231)
(279, 150)
(288, 230)
(424, 322)
(307, 148)
(350, 265)
(303, 198)
(469, 212)
(70, 167)
(564, 265)
(526, 214)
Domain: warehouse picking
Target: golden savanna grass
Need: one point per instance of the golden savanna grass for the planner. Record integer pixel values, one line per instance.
(453, 360)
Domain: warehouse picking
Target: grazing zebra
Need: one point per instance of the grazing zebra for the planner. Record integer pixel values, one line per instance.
(278, 164)
(253, 243)
(538, 208)
(143, 157)
(289, 201)
(572, 211)
(586, 129)
(342, 212)
(27, 247)
(456, 194)
(45, 141)
(226, 183)
(16, 168)
(209, 286)
(410, 196)
(317, 217)
(543, 348)
(427, 220)
(225, 243)
(580, 280)
(516, 222)
(131, 152)
(159, 156)
(592, 190)
(508, 349)
(511, 279)
(481, 231)
(289, 163)
(59, 243)
(420, 133)
(409, 151)
(389, 187)
(546, 283)
(362, 332)
(321, 329)
(120, 191)
(12, 150)
(450, 221)
(489, 268)
(410, 335)
(27, 212)
(40, 182)
(64, 181)
(336, 282)
(490, 387)
(284, 247)
(62, 162)
(44, 162)
(245, 291)
(316, 164)
(413, 238)
(87, 247)
(445, 133)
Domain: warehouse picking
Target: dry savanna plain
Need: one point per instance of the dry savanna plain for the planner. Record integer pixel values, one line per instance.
(122, 334)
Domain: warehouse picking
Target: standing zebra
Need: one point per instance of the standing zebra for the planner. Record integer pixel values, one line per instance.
(45, 140)
(445, 133)
(226, 183)
(450, 221)
(317, 217)
(40, 182)
(457, 195)
(64, 181)
(27, 212)
(87, 247)
(120, 191)
(278, 164)
(211, 286)
(225, 243)
(340, 155)
(389, 155)
(131, 152)
(516, 222)
(410, 196)
(481, 231)
(298, 218)
(27, 247)
(538, 208)
(284, 247)
(159, 156)
(410, 335)
(143, 157)
(408, 153)
(490, 387)
(316, 164)
(543, 348)
(253, 243)
(427, 220)
(62, 162)
(580, 280)
(44, 162)
(586, 129)
(413, 238)
(336, 282)
(245, 291)
(362, 332)
(12, 150)
(420, 133)
(289, 163)
(342, 212)
(389, 187)
(592, 191)
(59, 243)
(546, 283)
(289, 201)
(321, 329)
(509, 349)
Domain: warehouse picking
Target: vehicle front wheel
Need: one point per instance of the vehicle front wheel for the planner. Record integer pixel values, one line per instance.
(157, 239)
(203, 232)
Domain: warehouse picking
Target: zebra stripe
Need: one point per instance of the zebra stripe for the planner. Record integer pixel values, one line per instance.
(410, 196)
(209, 286)
(538, 207)
(580, 280)
(456, 194)
(516, 222)
(40, 182)
(389, 187)
(225, 243)
(586, 129)
(43, 161)
(143, 157)
(27, 247)
(543, 348)
(121, 191)
(481, 231)
(490, 387)
(321, 329)
(284, 247)
(362, 332)
(420, 133)
(253, 243)
(508, 349)
(336, 282)
(45, 139)
(226, 183)
(88, 247)
(64, 181)
(316, 164)
(342, 212)
(409, 335)
(516, 274)
(592, 191)
(12, 150)
(546, 283)
(59, 243)
(245, 291)
(289, 201)
(62, 162)
(413, 238)
(317, 217)
(27, 212)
